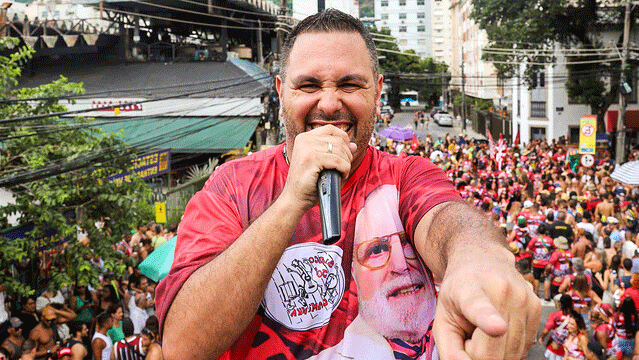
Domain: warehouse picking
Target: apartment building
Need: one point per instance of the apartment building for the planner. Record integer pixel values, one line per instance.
(305, 8)
(409, 21)
(480, 80)
(441, 21)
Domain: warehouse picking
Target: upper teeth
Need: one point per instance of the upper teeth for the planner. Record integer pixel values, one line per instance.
(408, 290)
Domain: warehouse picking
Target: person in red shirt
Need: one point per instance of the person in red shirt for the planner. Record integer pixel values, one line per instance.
(558, 266)
(604, 330)
(250, 252)
(557, 327)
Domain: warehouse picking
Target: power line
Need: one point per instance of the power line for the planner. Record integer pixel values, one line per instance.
(62, 113)
(88, 95)
(190, 22)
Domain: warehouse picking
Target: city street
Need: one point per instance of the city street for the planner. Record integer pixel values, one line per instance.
(405, 118)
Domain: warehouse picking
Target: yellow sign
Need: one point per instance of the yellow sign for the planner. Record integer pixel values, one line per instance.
(588, 134)
(160, 212)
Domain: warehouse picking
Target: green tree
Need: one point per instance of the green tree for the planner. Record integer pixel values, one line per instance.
(520, 30)
(56, 169)
(406, 72)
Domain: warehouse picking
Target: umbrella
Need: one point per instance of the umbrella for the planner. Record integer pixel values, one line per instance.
(434, 154)
(397, 133)
(157, 265)
(627, 173)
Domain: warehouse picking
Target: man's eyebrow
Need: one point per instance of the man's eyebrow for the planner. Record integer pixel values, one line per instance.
(348, 78)
(305, 79)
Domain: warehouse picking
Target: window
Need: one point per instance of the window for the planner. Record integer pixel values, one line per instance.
(538, 109)
(402, 15)
(421, 15)
(420, 2)
(384, 16)
(384, 3)
(574, 134)
(402, 29)
(537, 133)
(402, 2)
(421, 28)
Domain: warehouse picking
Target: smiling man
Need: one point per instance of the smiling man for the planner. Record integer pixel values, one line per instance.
(251, 277)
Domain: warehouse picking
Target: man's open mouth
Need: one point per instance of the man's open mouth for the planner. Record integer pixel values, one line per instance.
(406, 290)
(345, 126)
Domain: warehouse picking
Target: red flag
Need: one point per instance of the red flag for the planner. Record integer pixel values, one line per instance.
(414, 145)
(516, 143)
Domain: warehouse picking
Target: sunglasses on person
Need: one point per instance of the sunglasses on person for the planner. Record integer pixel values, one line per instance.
(376, 253)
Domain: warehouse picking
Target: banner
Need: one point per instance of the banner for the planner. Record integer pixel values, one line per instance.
(588, 134)
(147, 166)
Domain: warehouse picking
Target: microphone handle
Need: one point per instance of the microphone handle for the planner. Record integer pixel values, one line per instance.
(330, 203)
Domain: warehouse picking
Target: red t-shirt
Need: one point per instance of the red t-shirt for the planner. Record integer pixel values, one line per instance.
(131, 351)
(557, 337)
(541, 248)
(560, 262)
(311, 298)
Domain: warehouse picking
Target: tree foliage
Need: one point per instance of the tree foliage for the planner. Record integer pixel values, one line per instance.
(69, 201)
(406, 72)
(521, 30)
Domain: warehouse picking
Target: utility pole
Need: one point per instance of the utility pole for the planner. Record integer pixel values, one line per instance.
(463, 94)
(272, 124)
(620, 153)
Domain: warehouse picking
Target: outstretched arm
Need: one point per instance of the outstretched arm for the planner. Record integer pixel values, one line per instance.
(485, 309)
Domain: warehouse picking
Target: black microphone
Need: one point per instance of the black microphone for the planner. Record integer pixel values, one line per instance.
(330, 203)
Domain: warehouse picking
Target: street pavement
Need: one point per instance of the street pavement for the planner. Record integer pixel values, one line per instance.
(405, 118)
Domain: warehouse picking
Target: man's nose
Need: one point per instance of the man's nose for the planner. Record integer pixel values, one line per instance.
(397, 262)
(330, 100)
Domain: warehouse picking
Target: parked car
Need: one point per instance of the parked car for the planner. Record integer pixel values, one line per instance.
(444, 120)
(439, 114)
(387, 109)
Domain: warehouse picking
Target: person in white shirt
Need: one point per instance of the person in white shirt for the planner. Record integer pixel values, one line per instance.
(137, 312)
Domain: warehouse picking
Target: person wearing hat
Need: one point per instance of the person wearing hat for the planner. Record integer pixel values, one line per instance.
(15, 338)
(64, 354)
(559, 266)
(44, 335)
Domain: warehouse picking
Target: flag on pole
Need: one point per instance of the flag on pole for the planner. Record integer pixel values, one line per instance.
(501, 151)
(414, 144)
(491, 145)
(517, 139)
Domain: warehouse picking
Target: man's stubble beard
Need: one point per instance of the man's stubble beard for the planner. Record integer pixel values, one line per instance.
(407, 322)
(292, 130)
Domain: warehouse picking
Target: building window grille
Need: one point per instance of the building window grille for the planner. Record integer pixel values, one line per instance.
(538, 109)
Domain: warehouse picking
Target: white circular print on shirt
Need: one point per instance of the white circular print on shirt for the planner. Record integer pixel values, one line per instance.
(306, 286)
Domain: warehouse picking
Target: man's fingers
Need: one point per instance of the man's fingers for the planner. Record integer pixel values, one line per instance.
(479, 311)
(449, 339)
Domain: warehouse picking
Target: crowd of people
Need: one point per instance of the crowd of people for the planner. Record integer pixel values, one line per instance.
(115, 320)
(573, 230)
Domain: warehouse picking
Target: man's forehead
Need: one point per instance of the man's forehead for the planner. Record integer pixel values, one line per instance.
(350, 45)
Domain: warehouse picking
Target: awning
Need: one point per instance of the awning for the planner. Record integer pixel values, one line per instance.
(183, 134)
